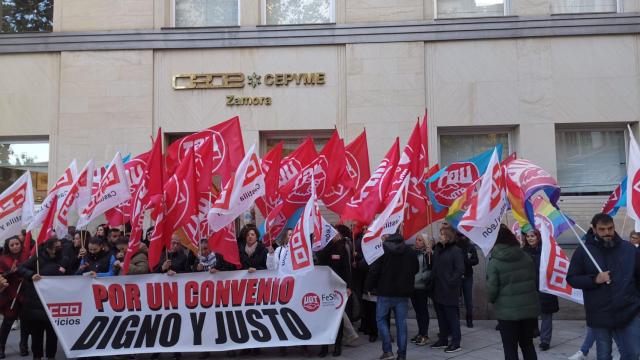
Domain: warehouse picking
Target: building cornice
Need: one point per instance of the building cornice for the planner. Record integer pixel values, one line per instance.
(326, 34)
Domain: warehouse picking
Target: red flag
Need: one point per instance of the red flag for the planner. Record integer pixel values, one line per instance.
(204, 164)
(365, 204)
(354, 176)
(417, 198)
(227, 147)
(147, 192)
(271, 169)
(424, 144)
(293, 164)
(134, 169)
(408, 165)
(224, 242)
(46, 231)
(325, 169)
(274, 223)
(180, 203)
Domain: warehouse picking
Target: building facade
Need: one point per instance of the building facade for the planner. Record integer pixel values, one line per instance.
(556, 81)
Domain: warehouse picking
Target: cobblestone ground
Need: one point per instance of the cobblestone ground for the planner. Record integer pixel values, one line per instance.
(481, 342)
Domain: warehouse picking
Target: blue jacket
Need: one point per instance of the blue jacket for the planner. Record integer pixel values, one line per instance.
(607, 305)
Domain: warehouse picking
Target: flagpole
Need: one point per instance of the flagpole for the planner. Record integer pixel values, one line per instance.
(584, 247)
(624, 222)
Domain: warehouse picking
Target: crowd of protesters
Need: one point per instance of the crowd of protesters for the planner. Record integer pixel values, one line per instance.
(437, 271)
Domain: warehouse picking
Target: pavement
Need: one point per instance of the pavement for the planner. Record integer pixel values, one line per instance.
(480, 342)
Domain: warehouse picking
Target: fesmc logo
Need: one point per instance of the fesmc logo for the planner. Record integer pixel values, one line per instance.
(453, 181)
(61, 312)
(312, 302)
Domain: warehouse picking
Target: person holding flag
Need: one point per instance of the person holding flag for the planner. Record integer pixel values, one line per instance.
(48, 262)
(392, 276)
(12, 298)
(511, 287)
(610, 287)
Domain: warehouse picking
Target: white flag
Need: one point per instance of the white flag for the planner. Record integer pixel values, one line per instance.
(240, 193)
(307, 228)
(328, 233)
(481, 221)
(554, 265)
(633, 180)
(386, 223)
(77, 198)
(112, 190)
(60, 189)
(16, 206)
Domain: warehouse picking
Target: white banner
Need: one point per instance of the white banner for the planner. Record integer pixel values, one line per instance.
(193, 312)
(60, 190)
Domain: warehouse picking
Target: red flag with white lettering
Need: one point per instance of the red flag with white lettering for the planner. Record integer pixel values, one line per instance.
(227, 148)
(180, 203)
(293, 163)
(143, 197)
(364, 205)
(326, 169)
(47, 231)
(134, 169)
(113, 189)
(16, 206)
(271, 169)
(225, 243)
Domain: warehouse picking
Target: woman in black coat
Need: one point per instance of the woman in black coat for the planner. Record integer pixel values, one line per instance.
(336, 256)
(34, 317)
(253, 253)
(548, 303)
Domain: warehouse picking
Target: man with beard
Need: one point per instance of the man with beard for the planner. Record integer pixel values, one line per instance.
(611, 296)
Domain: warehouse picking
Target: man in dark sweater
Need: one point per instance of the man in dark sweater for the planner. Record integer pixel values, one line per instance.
(391, 277)
(611, 297)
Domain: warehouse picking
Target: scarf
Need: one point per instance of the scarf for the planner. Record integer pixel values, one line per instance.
(250, 249)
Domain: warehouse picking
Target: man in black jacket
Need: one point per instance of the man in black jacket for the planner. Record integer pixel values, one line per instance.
(611, 297)
(392, 277)
(470, 260)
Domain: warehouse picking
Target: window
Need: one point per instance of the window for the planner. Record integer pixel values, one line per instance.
(583, 6)
(18, 16)
(470, 8)
(292, 139)
(194, 13)
(18, 156)
(590, 161)
(461, 146)
(289, 12)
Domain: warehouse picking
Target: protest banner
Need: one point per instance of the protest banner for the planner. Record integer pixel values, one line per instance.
(193, 312)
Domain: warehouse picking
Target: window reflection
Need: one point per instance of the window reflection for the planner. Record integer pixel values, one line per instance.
(16, 157)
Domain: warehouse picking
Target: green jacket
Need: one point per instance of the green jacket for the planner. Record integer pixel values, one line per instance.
(511, 284)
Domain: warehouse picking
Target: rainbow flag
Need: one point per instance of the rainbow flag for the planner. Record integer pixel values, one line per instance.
(545, 211)
(461, 204)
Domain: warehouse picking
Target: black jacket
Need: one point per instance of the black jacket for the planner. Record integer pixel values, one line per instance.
(548, 302)
(607, 305)
(70, 257)
(447, 272)
(32, 308)
(98, 262)
(179, 262)
(336, 256)
(258, 260)
(470, 256)
(393, 274)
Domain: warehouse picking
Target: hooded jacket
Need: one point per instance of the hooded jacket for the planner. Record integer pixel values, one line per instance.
(394, 272)
(49, 266)
(139, 261)
(611, 305)
(511, 284)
